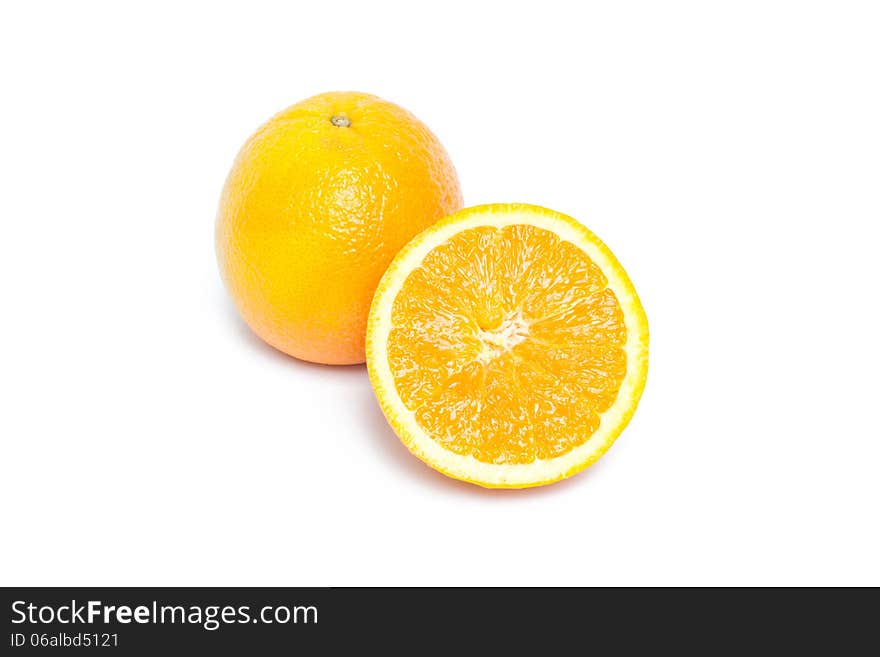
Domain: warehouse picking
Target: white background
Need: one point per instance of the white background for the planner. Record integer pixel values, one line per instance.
(728, 152)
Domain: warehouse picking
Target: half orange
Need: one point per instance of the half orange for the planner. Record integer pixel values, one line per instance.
(507, 347)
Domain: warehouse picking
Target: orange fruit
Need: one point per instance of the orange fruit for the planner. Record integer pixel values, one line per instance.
(507, 347)
(318, 202)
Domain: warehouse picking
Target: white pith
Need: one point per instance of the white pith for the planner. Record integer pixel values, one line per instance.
(506, 336)
(467, 467)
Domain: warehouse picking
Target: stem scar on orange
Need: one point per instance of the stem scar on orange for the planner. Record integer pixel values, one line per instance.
(318, 202)
(507, 346)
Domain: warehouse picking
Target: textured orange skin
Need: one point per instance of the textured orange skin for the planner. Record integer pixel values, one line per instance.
(312, 214)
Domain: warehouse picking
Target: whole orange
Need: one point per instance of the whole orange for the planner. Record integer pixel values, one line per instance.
(318, 202)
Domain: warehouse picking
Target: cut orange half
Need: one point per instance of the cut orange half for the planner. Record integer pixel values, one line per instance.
(507, 346)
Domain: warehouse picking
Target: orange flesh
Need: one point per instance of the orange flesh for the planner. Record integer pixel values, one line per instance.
(507, 344)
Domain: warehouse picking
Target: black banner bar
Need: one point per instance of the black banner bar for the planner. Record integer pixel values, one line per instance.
(134, 621)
